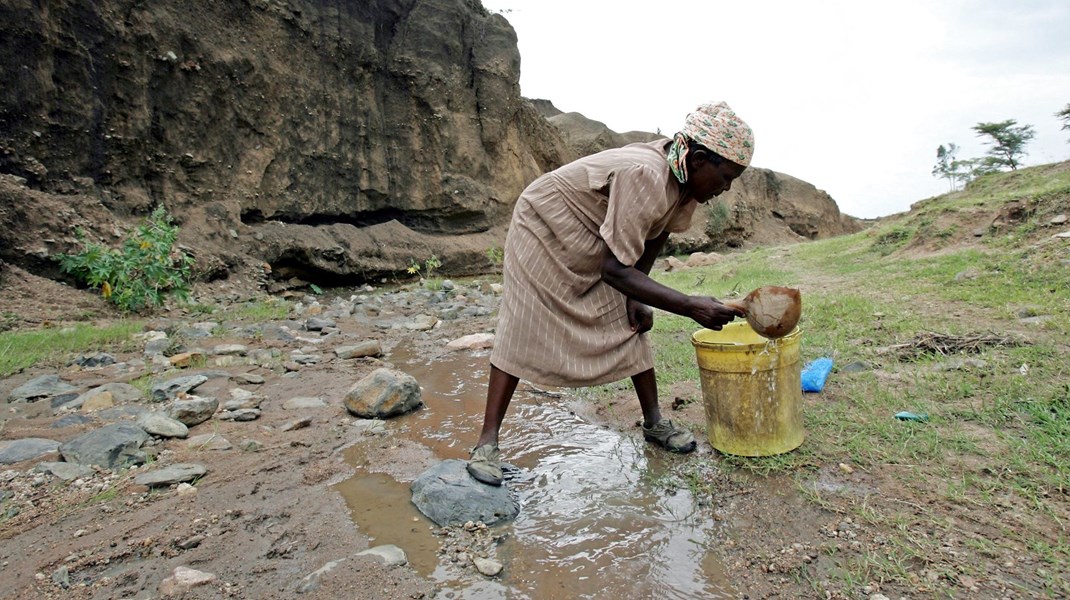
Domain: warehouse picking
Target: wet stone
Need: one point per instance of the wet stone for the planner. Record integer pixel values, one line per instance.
(487, 566)
(448, 495)
(390, 554)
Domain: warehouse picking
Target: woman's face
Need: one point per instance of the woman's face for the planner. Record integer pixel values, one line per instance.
(707, 179)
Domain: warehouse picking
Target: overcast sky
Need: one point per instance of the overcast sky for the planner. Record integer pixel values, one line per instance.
(853, 97)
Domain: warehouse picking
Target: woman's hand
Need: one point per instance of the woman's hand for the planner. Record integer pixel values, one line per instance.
(640, 316)
(710, 313)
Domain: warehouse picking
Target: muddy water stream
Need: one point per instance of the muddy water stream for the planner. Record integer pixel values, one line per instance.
(592, 523)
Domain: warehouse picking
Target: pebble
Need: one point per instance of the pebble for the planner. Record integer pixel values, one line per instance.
(487, 567)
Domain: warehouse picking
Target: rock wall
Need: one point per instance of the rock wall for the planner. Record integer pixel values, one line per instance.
(366, 122)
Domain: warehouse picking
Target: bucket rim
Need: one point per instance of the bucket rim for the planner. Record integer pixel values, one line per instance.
(697, 343)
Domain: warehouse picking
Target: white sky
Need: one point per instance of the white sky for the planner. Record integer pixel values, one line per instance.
(851, 96)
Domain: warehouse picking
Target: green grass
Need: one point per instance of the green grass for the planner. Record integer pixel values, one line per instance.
(271, 309)
(53, 347)
(999, 427)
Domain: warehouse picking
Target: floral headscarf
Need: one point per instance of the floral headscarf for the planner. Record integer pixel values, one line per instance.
(715, 126)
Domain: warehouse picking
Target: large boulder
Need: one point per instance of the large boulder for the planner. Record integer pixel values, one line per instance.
(383, 394)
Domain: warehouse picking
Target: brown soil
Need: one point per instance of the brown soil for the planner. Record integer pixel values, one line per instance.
(264, 519)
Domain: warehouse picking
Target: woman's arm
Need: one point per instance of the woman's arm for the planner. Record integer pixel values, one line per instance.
(635, 283)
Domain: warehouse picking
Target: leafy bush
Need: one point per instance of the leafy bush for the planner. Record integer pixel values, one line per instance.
(717, 219)
(142, 273)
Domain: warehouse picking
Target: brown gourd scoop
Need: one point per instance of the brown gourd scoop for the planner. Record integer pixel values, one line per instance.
(772, 311)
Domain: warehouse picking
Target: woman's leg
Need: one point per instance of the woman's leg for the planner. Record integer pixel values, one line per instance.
(646, 387)
(499, 393)
(663, 432)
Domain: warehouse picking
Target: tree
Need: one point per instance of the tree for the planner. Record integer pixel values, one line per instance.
(1064, 114)
(1008, 141)
(946, 166)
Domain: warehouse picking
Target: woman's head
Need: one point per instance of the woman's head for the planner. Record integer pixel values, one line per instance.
(712, 135)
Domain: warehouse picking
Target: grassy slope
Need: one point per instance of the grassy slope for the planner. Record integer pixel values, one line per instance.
(994, 459)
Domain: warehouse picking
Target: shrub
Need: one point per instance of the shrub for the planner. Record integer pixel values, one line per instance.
(142, 273)
(717, 219)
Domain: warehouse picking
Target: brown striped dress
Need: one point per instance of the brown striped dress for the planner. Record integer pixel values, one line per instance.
(559, 324)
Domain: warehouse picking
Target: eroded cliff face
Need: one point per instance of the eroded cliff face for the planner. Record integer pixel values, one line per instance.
(333, 141)
(378, 126)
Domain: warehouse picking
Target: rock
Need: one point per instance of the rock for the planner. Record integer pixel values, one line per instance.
(177, 473)
(100, 359)
(487, 567)
(120, 393)
(111, 446)
(71, 421)
(44, 386)
(317, 324)
(296, 424)
(702, 259)
(475, 341)
(421, 323)
(369, 426)
(248, 378)
(230, 349)
(250, 445)
(193, 410)
(390, 554)
(311, 581)
(161, 425)
(240, 399)
(25, 449)
(64, 470)
(62, 577)
(63, 400)
(157, 346)
(172, 387)
(242, 414)
(183, 579)
(208, 441)
(98, 401)
(383, 394)
(185, 360)
(368, 348)
(1063, 235)
(302, 403)
(1058, 219)
(448, 495)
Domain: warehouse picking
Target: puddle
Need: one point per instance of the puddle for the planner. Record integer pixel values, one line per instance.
(591, 523)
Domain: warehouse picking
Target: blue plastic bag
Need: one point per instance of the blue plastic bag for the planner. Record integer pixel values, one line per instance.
(814, 374)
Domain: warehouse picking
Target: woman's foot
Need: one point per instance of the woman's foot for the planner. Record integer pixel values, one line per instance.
(485, 465)
(670, 437)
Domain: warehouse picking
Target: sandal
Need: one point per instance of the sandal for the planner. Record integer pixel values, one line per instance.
(485, 465)
(670, 437)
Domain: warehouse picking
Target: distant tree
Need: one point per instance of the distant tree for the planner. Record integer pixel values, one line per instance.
(1064, 114)
(947, 167)
(1008, 141)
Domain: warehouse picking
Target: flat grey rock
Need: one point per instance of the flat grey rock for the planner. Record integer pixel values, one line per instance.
(64, 470)
(110, 446)
(44, 386)
(390, 554)
(25, 449)
(177, 473)
(169, 389)
(448, 495)
(161, 425)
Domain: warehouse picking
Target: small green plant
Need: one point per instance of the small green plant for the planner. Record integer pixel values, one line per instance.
(142, 273)
(425, 271)
(317, 290)
(496, 255)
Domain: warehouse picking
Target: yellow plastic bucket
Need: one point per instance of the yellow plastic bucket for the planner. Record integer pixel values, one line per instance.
(751, 389)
